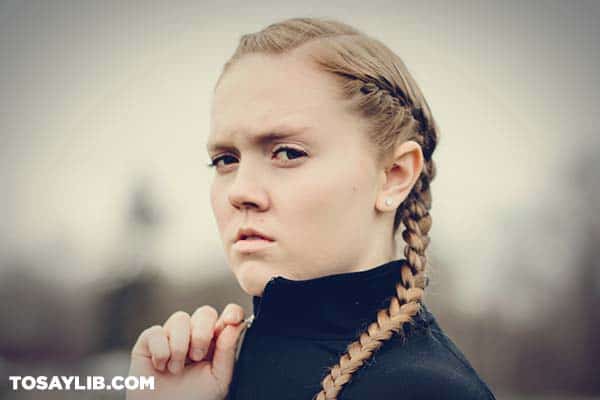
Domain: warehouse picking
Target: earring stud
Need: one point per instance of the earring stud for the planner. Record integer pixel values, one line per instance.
(388, 202)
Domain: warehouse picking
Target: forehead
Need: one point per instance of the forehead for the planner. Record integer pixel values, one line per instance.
(266, 92)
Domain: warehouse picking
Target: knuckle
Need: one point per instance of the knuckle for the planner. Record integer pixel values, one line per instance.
(208, 310)
(161, 355)
(180, 314)
(153, 330)
(233, 306)
(178, 353)
(201, 336)
(233, 309)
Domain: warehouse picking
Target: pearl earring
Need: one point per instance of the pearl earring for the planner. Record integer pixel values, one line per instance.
(388, 201)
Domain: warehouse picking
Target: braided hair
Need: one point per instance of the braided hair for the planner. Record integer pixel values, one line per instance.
(377, 85)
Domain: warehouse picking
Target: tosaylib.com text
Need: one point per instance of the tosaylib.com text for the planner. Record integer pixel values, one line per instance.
(90, 383)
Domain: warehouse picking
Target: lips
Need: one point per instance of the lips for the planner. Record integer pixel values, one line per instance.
(252, 234)
(250, 240)
(253, 238)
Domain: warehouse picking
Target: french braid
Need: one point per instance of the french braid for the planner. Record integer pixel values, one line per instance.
(414, 214)
(378, 85)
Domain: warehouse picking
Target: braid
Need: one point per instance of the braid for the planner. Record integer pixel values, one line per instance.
(414, 215)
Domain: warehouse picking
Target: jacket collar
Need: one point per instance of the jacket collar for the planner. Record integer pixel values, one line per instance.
(339, 306)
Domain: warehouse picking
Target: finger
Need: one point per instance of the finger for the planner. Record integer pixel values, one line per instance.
(225, 350)
(202, 326)
(152, 343)
(233, 314)
(141, 345)
(178, 331)
(158, 344)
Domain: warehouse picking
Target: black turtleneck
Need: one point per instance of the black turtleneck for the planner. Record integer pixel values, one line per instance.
(302, 327)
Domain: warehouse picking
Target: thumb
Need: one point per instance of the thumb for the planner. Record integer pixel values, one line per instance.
(225, 349)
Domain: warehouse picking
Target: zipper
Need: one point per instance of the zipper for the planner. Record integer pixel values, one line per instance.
(265, 290)
(248, 321)
(240, 342)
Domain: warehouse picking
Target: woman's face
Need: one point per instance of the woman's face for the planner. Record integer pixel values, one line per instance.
(313, 192)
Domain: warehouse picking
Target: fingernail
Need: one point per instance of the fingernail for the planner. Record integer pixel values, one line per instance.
(197, 354)
(175, 366)
(233, 315)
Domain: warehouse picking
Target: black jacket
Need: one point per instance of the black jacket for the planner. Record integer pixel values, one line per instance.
(301, 328)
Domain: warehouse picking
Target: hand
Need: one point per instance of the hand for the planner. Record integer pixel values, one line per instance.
(190, 357)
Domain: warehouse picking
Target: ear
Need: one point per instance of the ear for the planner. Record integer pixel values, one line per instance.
(399, 175)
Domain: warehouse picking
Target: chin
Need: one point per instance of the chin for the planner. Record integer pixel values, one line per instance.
(252, 278)
(252, 287)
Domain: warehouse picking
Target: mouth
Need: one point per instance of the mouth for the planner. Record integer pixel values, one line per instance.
(250, 241)
(253, 237)
(251, 234)
(252, 245)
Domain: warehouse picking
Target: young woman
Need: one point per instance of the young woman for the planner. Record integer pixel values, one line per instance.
(322, 145)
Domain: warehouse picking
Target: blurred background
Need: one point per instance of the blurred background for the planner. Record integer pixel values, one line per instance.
(105, 221)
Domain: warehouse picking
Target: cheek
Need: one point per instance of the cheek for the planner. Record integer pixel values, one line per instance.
(213, 199)
(218, 204)
(334, 195)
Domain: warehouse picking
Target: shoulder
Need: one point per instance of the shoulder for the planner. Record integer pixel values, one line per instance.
(438, 379)
(425, 365)
(419, 371)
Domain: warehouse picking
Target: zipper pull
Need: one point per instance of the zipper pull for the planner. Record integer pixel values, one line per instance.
(248, 322)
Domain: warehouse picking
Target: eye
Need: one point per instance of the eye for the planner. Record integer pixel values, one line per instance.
(292, 153)
(216, 160)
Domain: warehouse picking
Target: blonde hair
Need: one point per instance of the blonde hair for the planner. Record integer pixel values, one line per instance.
(379, 87)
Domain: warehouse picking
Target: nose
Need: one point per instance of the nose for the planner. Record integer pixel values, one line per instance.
(247, 190)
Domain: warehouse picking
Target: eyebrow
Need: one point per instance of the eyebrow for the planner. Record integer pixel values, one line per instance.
(267, 136)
